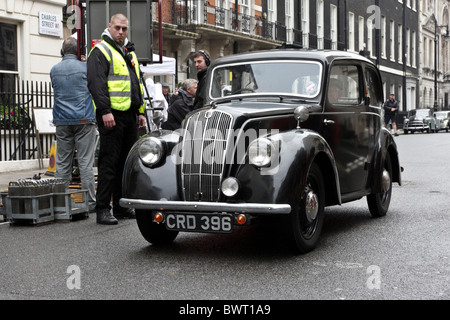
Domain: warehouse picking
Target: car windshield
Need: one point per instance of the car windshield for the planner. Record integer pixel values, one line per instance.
(421, 113)
(294, 78)
(441, 115)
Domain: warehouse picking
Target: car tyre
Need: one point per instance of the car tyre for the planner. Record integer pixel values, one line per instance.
(308, 212)
(379, 202)
(155, 233)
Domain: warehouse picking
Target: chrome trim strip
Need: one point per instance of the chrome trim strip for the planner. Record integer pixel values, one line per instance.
(193, 206)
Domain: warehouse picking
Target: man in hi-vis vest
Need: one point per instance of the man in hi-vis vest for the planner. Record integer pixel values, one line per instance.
(113, 81)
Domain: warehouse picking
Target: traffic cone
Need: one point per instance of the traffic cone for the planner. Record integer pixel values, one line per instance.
(52, 160)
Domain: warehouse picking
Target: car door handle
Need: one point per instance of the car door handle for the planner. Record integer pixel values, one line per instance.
(327, 122)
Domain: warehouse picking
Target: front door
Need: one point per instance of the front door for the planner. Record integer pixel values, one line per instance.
(346, 125)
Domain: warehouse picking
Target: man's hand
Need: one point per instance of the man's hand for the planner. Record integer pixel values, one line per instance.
(108, 120)
(141, 121)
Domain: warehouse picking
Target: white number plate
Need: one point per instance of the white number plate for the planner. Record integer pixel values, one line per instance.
(222, 223)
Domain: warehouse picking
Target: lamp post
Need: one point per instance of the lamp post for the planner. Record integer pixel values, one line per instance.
(436, 26)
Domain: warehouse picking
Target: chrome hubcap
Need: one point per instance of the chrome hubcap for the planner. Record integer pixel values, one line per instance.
(312, 206)
(386, 180)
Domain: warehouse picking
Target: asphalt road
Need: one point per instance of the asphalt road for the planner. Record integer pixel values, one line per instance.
(405, 255)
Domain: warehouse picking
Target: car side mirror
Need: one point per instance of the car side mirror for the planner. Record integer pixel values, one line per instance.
(157, 119)
(301, 114)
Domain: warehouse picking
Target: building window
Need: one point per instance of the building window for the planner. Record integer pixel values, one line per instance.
(408, 47)
(289, 4)
(8, 56)
(383, 37)
(369, 37)
(245, 16)
(392, 40)
(305, 22)
(271, 10)
(399, 44)
(431, 54)
(333, 26)
(423, 59)
(413, 48)
(320, 24)
(351, 31)
(361, 43)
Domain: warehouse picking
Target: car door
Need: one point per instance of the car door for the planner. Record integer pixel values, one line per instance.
(345, 125)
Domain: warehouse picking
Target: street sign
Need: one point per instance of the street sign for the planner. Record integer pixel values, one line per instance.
(50, 24)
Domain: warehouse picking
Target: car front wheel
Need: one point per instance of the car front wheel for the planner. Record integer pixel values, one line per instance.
(308, 212)
(155, 233)
(379, 202)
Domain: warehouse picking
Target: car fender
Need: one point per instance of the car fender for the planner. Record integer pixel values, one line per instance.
(385, 144)
(159, 182)
(298, 149)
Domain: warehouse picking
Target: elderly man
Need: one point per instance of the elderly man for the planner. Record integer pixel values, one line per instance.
(181, 105)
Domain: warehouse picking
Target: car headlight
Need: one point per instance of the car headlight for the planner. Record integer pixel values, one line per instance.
(260, 152)
(230, 186)
(151, 151)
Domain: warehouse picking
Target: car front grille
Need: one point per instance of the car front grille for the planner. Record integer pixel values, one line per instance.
(203, 154)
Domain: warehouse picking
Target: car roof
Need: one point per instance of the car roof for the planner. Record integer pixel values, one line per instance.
(319, 55)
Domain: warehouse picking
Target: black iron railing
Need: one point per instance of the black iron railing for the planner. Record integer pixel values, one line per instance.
(17, 132)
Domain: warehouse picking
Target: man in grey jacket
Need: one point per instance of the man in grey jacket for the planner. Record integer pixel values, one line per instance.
(73, 115)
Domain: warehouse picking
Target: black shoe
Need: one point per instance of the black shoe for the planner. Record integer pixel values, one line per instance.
(124, 213)
(396, 134)
(104, 216)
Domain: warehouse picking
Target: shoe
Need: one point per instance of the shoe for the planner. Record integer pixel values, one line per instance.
(104, 216)
(124, 213)
(396, 134)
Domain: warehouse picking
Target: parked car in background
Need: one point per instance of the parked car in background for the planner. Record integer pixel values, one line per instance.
(419, 120)
(442, 120)
(294, 131)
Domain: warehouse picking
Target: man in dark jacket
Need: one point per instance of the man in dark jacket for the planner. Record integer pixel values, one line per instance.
(202, 61)
(390, 112)
(113, 81)
(181, 105)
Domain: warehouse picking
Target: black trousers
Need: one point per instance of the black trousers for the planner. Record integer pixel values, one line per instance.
(114, 147)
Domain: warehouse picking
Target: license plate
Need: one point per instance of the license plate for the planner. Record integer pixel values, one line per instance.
(211, 223)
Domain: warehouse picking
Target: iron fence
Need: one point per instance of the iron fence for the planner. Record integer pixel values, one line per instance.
(17, 131)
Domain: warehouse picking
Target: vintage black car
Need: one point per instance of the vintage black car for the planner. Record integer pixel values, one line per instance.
(421, 120)
(293, 132)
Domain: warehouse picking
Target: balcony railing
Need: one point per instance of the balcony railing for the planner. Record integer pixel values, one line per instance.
(187, 17)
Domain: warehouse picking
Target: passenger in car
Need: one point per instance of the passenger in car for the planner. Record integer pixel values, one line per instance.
(334, 91)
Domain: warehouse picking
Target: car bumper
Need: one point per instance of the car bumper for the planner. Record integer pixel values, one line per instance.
(416, 127)
(201, 207)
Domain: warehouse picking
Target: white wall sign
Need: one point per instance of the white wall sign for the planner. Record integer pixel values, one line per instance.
(50, 24)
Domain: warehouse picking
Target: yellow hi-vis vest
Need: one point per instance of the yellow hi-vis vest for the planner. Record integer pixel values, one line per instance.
(119, 82)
